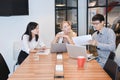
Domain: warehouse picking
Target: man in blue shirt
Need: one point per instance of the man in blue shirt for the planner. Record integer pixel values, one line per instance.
(104, 39)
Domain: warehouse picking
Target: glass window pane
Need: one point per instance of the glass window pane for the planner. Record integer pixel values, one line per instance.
(91, 13)
(60, 3)
(114, 15)
(66, 10)
(72, 16)
(96, 2)
(72, 3)
(60, 16)
(101, 3)
(113, 2)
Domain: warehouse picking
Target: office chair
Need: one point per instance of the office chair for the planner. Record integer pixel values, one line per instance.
(118, 74)
(4, 70)
(16, 50)
(112, 69)
(112, 55)
(117, 55)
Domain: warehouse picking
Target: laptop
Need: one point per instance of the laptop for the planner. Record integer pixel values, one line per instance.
(58, 47)
(75, 51)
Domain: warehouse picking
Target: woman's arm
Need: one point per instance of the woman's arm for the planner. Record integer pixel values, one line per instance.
(42, 45)
(56, 38)
(69, 39)
(33, 50)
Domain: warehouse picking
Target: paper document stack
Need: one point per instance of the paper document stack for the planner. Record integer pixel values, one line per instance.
(45, 52)
(82, 40)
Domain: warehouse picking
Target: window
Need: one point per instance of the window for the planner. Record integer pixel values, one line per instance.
(66, 10)
(109, 8)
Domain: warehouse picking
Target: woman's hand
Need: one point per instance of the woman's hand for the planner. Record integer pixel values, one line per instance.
(69, 40)
(57, 38)
(65, 36)
(43, 48)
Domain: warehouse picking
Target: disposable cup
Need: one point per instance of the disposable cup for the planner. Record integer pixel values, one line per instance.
(81, 60)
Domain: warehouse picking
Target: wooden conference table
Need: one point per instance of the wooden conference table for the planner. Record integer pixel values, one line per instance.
(43, 68)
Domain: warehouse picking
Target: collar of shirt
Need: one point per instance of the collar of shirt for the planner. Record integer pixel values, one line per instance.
(102, 31)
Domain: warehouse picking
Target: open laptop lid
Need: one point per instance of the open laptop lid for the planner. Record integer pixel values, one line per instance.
(75, 51)
(58, 47)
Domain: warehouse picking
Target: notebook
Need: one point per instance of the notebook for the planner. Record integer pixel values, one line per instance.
(44, 52)
(58, 47)
(75, 51)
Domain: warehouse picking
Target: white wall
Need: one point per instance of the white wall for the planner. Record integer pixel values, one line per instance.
(12, 27)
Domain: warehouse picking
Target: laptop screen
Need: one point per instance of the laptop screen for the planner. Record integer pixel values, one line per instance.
(58, 47)
(75, 51)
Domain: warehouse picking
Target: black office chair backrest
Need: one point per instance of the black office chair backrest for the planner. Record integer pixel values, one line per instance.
(4, 70)
(112, 69)
(112, 55)
(118, 74)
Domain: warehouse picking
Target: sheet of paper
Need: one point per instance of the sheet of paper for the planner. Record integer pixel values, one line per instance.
(45, 52)
(82, 40)
(59, 67)
(59, 56)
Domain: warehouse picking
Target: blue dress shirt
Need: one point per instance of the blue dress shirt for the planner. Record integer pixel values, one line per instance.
(106, 39)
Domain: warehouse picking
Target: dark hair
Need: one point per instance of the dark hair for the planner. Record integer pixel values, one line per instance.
(98, 17)
(31, 26)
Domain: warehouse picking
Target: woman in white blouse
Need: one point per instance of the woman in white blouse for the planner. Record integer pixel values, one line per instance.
(65, 36)
(30, 42)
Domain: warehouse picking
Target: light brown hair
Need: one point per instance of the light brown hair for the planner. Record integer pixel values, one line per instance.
(61, 25)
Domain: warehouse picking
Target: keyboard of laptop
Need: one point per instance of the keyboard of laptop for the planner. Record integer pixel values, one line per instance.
(90, 57)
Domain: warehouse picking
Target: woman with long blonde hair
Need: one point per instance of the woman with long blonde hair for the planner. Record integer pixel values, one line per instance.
(65, 36)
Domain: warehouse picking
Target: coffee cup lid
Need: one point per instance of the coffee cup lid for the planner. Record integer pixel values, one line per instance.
(81, 57)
